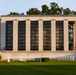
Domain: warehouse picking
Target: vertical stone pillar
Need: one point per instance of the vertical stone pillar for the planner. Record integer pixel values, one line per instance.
(15, 35)
(66, 38)
(28, 35)
(40, 28)
(53, 35)
(74, 33)
(3, 34)
(0, 33)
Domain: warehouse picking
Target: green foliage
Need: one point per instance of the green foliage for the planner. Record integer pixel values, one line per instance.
(44, 59)
(45, 10)
(53, 9)
(66, 11)
(15, 13)
(0, 57)
(33, 11)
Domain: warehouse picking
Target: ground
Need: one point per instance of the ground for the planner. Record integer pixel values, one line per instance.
(38, 68)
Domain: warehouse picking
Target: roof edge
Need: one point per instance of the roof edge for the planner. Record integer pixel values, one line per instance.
(38, 15)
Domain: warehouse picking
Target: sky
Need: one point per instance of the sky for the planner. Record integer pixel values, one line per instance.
(7, 6)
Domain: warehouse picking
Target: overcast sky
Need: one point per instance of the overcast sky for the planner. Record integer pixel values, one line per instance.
(7, 6)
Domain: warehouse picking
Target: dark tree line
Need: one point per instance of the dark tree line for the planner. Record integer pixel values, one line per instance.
(15, 13)
(53, 9)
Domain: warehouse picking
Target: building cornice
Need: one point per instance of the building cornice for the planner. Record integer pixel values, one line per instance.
(38, 16)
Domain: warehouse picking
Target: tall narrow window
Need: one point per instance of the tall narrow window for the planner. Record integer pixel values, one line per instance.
(9, 35)
(46, 35)
(21, 35)
(34, 35)
(59, 35)
(71, 47)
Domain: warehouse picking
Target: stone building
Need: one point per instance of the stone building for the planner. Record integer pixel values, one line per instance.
(37, 36)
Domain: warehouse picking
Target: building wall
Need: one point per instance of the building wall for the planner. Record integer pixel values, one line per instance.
(40, 19)
(0, 33)
(74, 35)
(37, 54)
(3, 29)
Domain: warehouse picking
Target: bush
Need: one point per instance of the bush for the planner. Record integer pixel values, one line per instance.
(44, 59)
(0, 57)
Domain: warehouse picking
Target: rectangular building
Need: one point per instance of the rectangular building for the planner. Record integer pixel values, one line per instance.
(38, 33)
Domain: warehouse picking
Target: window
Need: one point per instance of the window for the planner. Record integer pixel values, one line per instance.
(46, 35)
(21, 35)
(59, 35)
(71, 47)
(9, 35)
(34, 35)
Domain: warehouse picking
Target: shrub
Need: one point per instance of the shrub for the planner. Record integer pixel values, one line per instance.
(0, 57)
(44, 59)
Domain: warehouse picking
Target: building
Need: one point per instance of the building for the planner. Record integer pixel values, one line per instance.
(37, 36)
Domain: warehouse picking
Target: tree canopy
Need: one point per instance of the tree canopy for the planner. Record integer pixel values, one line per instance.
(53, 9)
(33, 11)
(15, 13)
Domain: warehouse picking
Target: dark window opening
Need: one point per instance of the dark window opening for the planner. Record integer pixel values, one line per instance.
(46, 35)
(34, 35)
(70, 26)
(21, 35)
(9, 35)
(59, 35)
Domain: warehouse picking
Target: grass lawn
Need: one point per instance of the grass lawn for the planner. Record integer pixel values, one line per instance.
(38, 68)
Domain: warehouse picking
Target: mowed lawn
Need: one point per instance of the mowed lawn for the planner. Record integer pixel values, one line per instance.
(38, 68)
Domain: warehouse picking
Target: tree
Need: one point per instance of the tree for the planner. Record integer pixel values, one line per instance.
(54, 5)
(61, 11)
(22, 14)
(15, 13)
(55, 9)
(33, 11)
(66, 11)
(73, 12)
(45, 10)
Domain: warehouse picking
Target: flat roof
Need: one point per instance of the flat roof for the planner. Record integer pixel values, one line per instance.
(38, 16)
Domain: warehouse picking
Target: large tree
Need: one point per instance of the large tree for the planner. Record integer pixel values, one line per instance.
(66, 11)
(45, 10)
(33, 11)
(53, 9)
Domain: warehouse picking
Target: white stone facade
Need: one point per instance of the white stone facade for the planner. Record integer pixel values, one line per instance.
(40, 20)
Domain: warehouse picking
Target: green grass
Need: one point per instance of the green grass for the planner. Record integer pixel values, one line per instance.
(38, 68)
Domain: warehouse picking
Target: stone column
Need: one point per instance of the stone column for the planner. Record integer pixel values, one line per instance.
(53, 35)
(27, 35)
(66, 38)
(74, 39)
(0, 33)
(40, 35)
(3, 34)
(15, 35)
